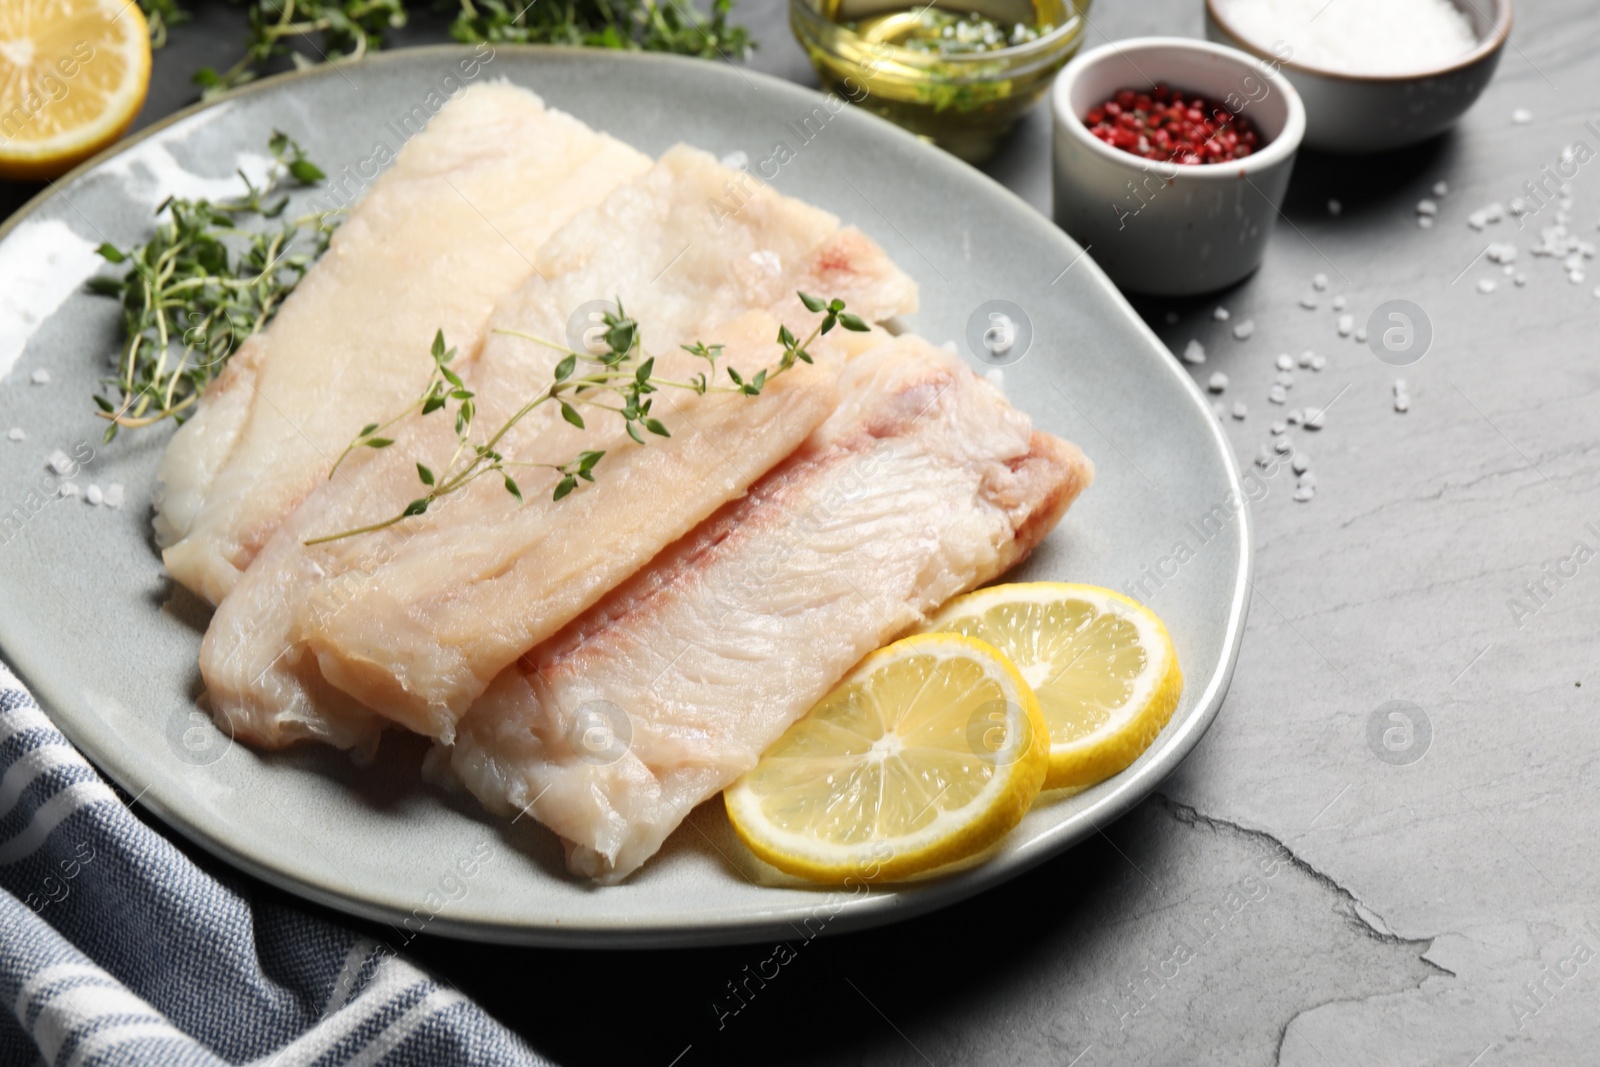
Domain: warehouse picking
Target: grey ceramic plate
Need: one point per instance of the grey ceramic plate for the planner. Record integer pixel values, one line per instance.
(89, 620)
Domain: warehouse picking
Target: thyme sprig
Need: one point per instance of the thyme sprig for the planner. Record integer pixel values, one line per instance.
(204, 282)
(616, 378)
(348, 30)
(649, 25)
(342, 30)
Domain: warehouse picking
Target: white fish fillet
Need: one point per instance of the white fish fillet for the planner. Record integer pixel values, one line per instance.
(424, 637)
(925, 483)
(416, 620)
(433, 243)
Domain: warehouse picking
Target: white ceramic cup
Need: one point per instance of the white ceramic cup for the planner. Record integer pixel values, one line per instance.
(1172, 229)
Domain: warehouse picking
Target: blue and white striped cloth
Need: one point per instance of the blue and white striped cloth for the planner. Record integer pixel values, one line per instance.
(116, 949)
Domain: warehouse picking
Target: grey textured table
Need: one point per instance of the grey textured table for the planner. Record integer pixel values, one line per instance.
(1305, 890)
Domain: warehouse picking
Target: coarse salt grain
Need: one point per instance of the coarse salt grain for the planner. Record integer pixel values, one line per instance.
(68, 489)
(1319, 282)
(1501, 252)
(1309, 301)
(1347, 323)
(1172, 318)
(1334, 207)
(1358, 36)
(1242, 330)
(1441, 188)
(1280, 427)
(1314, 418)
(1220, 313)
(114, 493)
(1194, 352)
(1361, 335)
(1239, 410)
(1339, 303)
(1306, 357)
(1293, 418)
(1486, 285)
(1301, 463)
(1283, 362)
(1427, 207)
(1425, 222)
(59, 462)
(1304, 493)
(1520, 279)
(93, 495)
(1522, 116)
(1219, 409)
(1307, 480)
(16, 433)
(1218, 382)
(1318, 362)
(1278, 395)
(1281, 444)
(1402, 403)
(40, 377)
(1284, 378)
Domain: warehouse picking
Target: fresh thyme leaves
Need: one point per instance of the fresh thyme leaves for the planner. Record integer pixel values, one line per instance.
(340, 30)
(651, 25)
(616, 378)
(203, 283)
(348, 29)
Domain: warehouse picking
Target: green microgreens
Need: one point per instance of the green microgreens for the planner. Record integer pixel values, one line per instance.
(618, 379)
(203, 283)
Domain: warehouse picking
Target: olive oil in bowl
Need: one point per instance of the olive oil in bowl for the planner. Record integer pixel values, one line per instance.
(957, 73)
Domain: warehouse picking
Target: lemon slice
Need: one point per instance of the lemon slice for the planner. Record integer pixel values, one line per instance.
(1102, 666)
(926, 753)
(73, 74)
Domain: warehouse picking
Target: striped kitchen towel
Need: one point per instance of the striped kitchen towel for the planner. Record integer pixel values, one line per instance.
(116, 949)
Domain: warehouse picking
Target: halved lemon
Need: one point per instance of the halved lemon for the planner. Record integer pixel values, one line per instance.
(73, 74)
(927, 753)
(1102, 666)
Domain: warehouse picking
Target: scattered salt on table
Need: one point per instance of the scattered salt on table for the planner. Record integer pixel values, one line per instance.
(93, 495)
(1339, 303)
(1318, 362)
(1486, 285)
(1319, 282)
(1301, 463)
(16, 433)
(1314, 418)
(1239, 410)
(1278, 395)
(1218, 382)
(40, 377)
(1427, 207)
(1304, 493)
(1281, 444)
(1194, 352)
(1441, 188)
(1347, 323)
(1242, 330)
(1306, 357)
(1309, 301)
(1522, 116)
(1284, 362)
(113, 495)
(1220, 313)
(59, 462)
(1284, 378)
(1280, 427)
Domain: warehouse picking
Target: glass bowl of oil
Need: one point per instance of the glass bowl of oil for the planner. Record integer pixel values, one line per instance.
(958, 73)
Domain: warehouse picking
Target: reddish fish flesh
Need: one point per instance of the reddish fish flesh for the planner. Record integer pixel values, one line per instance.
(923, 484)
(441, 236)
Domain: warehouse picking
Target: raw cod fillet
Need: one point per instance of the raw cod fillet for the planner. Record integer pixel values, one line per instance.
(429, 611)
(923, 484)
(433, 243)
(424, 637)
